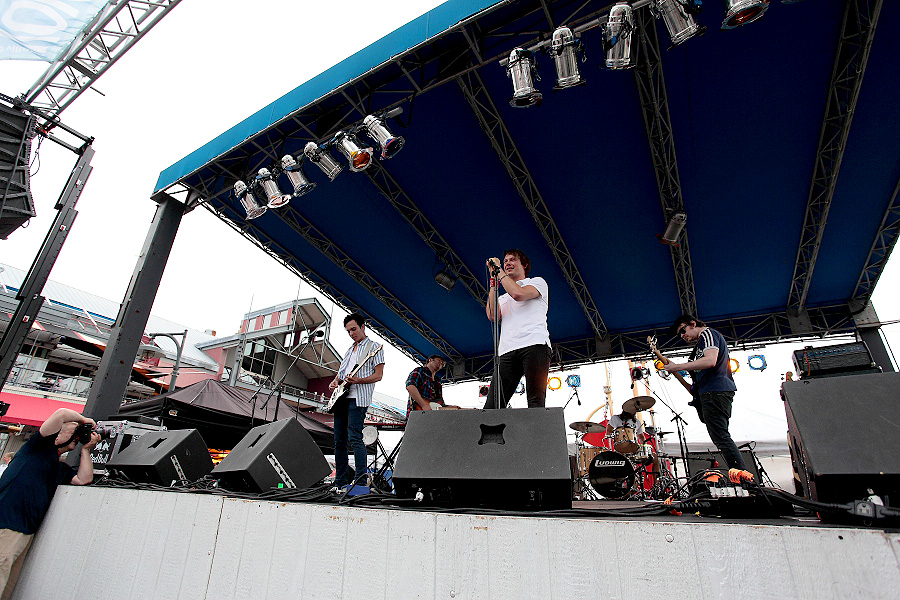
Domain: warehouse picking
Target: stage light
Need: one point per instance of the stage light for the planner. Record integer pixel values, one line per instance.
(483, 391)
(618, 36)
(274, 197)
(319, 156)
(638, 373)
(573, 381)
(554, 383)
(733, 365)
(677, 16)
(674, 228)
(294, 172)
(761, 364)
(520, 69)
(358, 156)
(741, 12)
(520, 389)
(445, 279)
(378, 131)
(251, 206)
(563, 48)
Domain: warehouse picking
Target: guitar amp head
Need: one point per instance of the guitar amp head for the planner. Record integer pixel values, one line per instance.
(833, 360)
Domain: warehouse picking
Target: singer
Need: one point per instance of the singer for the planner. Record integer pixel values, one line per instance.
(524, 347)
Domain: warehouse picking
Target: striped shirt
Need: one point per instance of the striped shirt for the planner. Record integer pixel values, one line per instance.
(718, 377)
(361, 391)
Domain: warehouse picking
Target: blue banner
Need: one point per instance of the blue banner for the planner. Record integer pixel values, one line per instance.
(42, 29)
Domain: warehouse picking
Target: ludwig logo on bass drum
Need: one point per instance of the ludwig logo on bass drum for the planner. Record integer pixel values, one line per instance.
(609, 463)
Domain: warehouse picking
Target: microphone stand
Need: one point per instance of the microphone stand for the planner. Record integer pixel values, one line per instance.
(278, 385)
(574, 394)
(495, 330)
(679, 428)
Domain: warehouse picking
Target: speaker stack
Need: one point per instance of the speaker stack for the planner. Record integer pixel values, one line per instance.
(162, 457)
(513, 459)
(16, 204)
(844, 436)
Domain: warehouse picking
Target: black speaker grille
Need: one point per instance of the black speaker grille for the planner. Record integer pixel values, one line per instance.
(16, 204)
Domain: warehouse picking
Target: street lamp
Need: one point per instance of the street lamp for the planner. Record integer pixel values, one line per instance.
(179, 346)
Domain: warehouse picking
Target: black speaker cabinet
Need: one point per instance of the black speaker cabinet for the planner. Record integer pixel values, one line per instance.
(162, 457)
(15, 186)
(508, 458)
(276, 453)
(699, 461)
(844, 436)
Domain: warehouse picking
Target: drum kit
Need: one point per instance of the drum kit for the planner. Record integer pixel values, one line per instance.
(622, 465)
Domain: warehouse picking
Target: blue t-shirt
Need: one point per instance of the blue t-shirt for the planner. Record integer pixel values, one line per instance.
(718, 377)
(29, 482)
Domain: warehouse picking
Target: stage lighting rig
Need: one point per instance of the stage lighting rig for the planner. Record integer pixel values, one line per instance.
(319, 156)
(377, 129)
(248, 201)
(294, 172)
(359, 156)
(565, 48)
(617, 37)
(272, 193)
(522, 69)
(674, 227)
(678, 18)
(445, 279)
(573, 381)
(741, 12)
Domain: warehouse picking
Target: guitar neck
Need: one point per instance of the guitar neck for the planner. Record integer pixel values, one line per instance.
(666, 361)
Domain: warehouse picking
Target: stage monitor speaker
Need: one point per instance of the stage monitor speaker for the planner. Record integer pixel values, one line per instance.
(844, 436)
(276, 453)
(512, 459)
(162, 457)
(16, 204)
(700, 461)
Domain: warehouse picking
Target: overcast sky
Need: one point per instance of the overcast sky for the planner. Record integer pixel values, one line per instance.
(203, 68)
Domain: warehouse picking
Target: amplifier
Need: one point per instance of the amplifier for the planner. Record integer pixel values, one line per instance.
(826, 360)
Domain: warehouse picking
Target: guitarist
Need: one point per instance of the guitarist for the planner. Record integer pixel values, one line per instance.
(713, 387)
(350, 410)
(424, 385)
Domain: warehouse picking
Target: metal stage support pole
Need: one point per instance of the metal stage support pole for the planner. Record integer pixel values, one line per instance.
(114, 371)
(29, 296)
(869, 331)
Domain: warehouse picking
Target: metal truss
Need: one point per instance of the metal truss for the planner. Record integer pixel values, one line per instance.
(857, 33)
(741, 333)
(885, 240)
(98, 46)
(655, 107)
(489, 118)
(398, 198)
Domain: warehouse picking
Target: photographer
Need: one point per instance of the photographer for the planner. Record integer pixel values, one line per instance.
(28, 484)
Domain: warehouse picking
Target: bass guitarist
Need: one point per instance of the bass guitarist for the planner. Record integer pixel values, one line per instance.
(350, 410)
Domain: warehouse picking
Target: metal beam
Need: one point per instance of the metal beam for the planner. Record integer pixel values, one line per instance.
(882, 246)
(854, 44)
(655, 107)
(491, 123)
(399, 199)
(98, 46)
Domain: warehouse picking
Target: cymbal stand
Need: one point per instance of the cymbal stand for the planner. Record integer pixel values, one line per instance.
(583, 486)
(679, 427)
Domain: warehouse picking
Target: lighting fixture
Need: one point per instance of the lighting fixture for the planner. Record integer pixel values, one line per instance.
(563, 48)
(522, 69)
(733, 365)
(251, 206)
(378, 131)
(761, 362)
(267, 183)
(554, 383)
(573, 381)
(445, 279)
(294, 172)
(674, 227)
(618, 37)
(483, 391)
(319, 156)
(678, 18)
(520, 389)
(741, 12)
(359, 157)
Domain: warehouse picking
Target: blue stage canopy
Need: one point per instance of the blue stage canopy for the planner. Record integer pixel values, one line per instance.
(762, 155)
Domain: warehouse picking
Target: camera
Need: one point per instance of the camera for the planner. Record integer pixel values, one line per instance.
(83, 432)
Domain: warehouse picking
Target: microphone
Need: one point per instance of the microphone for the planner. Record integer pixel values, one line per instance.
(495, 268)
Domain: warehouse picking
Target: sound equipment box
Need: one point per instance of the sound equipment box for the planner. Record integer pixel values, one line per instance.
(276, 453)
(833, 360)
(507, 458)
(844, 436)
(15, 152)
(700, 461)
(162, 457)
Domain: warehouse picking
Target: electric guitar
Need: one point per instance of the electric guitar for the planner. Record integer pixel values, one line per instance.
(343, 387)
(651, 340)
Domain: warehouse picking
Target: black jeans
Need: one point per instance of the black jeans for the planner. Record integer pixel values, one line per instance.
(716, 411)
(534, 363)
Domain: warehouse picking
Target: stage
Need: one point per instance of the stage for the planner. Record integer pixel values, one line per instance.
(99, 542)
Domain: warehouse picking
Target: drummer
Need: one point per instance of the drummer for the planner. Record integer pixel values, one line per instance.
(628, 419)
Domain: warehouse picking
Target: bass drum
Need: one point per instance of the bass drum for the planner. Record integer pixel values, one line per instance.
(612, 475)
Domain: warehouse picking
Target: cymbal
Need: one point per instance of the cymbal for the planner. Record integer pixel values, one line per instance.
(662, 433)
(587, 427)
(637, 404)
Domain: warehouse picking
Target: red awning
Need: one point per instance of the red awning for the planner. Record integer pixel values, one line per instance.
(32, 410)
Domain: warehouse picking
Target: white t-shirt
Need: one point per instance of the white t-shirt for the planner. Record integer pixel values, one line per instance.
(524, 323)
(616, 421)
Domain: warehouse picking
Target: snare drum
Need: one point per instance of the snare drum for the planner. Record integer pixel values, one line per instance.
(625, 440)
